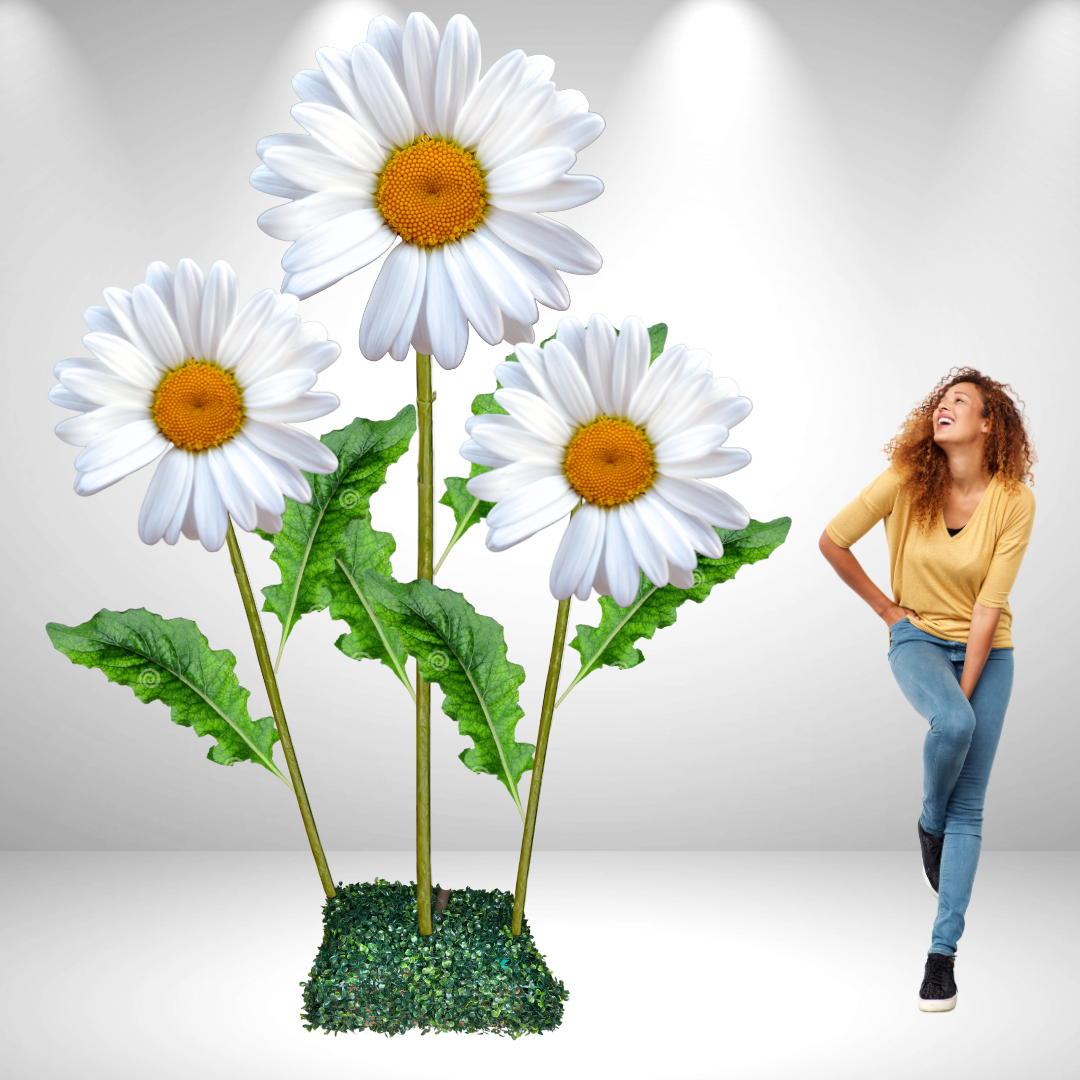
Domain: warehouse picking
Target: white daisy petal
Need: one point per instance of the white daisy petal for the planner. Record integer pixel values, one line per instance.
(631, 362)
(544, 239)
(60, 395)
(258, 483)
(161, 279)
(680, 577)
(514, 332)
(570, 383)
(297, 447)
(645, 546)
(568, 102)
(184, 483)
(385, 36)
(158, 326)
(383, 95)
(104, 389)
(334, 238)
(651, 394)
(525, 501)
(678, 406)
(539, 68)
(528, 172)
(535, 414)
(703, 501)
(296, 411)
(472, 294)
(340, 135)
(561, 194)
(471, 450)
(100, 320)
(236, 497)
(622, 574)
(446, 321)
(686, 445)
(499, 483)
(190, 284)
(219, 306)
(253, 317)
(540, 518)
(600, 358)
(211, 516)
(289, 221)
(486, 102)
(515, 130)
(117, 443)
(505, 436)
(399, 347)
(288, 478)
(457, 72)
(138, 455)
(163, 495)
(305, 283)
(576, 131)
(389, 301)
(571, 334)
(337, 67)
(420, 56)
(539, 280)
(579, 550)
(666, 531)
(83, 429)
(701, 536)
(269, 352)
(122, 309)
(266, 180)
(422, 339)
(498, 273)
(718, 463)
(729, 411)
(189, 526)
(125, 360)
(515, 376)
(312, 169)
(313, 86)
(277, 389)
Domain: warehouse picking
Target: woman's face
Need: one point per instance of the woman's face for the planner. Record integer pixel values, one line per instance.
(962, 405)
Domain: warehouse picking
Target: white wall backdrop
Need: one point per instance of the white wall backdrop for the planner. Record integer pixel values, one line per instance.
(840, 199)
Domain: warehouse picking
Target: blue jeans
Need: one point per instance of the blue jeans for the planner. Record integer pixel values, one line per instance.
(957, 756)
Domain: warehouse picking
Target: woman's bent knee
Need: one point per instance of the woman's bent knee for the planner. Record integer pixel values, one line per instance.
(954, 725)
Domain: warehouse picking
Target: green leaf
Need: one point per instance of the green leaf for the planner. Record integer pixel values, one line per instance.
(657, 337)
(169, 660)
(612, 643)
(369, 638)
(312, 533)
(465, 653)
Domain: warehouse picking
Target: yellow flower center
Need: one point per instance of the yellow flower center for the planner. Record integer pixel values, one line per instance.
(609, 461)
(431, 192)
(198, 405)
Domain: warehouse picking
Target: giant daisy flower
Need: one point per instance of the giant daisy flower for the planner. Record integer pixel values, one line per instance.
(593, 426)
(178, 369)
(408, 143)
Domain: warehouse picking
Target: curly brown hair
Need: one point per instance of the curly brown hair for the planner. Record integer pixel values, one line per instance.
(924, 466)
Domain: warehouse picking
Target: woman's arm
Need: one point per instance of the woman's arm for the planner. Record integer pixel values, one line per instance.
(852, 574)
(984, 622)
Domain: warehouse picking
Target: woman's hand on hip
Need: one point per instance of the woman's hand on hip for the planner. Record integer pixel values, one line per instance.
(895, 613)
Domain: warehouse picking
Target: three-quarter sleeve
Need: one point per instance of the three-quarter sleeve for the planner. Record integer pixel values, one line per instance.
(865, 510)
(1008, 551)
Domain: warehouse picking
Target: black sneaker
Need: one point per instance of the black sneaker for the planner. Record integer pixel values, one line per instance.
(938, 990)
(931, 857)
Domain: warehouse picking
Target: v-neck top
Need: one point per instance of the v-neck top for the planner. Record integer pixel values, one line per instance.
(942, 574)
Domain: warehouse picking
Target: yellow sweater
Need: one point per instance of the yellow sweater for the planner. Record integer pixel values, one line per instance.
(938, 575)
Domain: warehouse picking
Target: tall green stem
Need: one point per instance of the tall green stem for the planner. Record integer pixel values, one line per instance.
(550, 690)
(270, 681)
(425, 535)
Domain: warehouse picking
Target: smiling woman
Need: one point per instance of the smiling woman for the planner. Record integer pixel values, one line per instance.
(958, 519)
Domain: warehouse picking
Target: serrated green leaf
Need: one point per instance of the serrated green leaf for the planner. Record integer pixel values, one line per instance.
(369, 638)
(465, 654)
(612, 643)
(169, 660)
(311, 533)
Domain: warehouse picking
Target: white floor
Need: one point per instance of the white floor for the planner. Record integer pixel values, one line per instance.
(749, 965)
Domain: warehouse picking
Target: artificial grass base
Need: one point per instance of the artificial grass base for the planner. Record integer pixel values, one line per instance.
(375, 971)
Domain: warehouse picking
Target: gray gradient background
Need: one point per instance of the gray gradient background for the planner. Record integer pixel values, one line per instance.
(840, 199)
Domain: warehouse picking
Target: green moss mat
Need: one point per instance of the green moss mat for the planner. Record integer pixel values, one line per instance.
(375, 971)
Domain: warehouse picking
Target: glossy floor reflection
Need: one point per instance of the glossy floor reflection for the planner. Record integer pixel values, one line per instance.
(749, 965)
